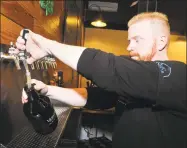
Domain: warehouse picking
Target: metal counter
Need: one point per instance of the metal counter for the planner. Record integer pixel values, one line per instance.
(28, 138)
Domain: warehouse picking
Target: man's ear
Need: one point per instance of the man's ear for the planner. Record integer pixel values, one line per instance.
(162, 42)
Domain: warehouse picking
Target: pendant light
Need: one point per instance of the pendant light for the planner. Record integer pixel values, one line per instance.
(98, 21)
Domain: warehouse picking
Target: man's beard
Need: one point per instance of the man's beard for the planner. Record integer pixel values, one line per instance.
(145, 57)
(135, 56)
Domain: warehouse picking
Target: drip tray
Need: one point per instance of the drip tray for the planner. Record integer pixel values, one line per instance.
(28, 138)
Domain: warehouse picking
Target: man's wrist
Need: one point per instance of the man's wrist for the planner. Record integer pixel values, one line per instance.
(50, 46)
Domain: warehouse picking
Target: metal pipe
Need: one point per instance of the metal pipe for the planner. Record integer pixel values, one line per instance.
(11, 57)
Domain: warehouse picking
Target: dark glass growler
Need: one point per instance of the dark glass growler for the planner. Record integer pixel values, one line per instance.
(40, 112)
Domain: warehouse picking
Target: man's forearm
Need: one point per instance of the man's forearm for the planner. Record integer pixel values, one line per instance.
(70, 96)
(68, 54)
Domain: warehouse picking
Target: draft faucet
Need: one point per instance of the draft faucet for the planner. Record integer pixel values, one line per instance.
(11, 56)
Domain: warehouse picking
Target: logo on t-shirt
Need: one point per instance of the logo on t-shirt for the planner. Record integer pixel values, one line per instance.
(165, 70)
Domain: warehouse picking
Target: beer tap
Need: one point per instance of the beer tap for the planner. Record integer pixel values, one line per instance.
(37, 64)
(50, 62)
(22, 57)
(42, 66)
(54, 63)
(32, 66)
(45, 62)
(11, 56)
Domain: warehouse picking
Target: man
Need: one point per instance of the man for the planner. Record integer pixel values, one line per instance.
(147, 76)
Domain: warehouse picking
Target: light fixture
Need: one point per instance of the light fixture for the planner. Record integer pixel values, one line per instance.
(98, 21)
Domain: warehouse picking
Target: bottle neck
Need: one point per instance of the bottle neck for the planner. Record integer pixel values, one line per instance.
(32, 94)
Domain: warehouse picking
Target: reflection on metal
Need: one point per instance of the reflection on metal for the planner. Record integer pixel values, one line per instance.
(72, 20)
(2, 146)
(11, 55)
(105, 6)
(134, 3)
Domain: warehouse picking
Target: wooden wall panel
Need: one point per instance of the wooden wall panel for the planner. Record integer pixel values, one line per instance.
(16, 13)
(31, 7)
(9, 30)
(29, 14)
(48, 26)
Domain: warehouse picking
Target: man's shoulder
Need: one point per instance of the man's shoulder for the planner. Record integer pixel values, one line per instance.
(164, 68)
(167, 68)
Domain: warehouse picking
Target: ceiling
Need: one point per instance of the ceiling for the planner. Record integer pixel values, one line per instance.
(175, 9)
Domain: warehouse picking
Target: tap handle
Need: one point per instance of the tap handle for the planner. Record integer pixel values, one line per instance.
(25, 31)
(23, 53)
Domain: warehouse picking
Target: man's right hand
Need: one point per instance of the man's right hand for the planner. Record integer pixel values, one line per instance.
(37, 45)
(40, 86)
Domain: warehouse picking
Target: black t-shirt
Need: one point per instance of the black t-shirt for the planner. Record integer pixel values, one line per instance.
(163, 83)
(100, 99)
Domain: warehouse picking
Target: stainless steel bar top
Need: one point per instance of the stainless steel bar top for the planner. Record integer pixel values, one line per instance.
(28, 138)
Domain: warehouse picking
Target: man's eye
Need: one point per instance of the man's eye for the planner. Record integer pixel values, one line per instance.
(137, 40)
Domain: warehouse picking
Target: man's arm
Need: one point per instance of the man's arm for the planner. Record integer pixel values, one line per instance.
(68, 54)
(136, 79)
(71, 96)
(91, 98)
(107, 71)
(118, 74)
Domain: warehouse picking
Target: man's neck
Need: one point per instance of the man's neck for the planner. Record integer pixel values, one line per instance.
(160, 57)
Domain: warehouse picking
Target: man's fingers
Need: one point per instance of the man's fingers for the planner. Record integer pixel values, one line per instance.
(16, 51)
(20, 40)
(20, 46)
(24, 100)
(33, 81)
(38, 85)
(24, 97)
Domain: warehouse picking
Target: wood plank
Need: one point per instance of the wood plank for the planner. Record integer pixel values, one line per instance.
(13, 11)
(32, 8)
(47, 25)
(9, 30)
(39, 26)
